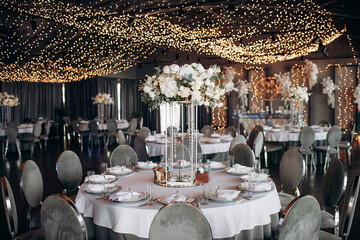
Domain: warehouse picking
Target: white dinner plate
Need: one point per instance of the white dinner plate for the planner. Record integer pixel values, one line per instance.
(108, 179)
(142, 196)
(211, 195)
(241, 188)
(110, 189)
(120, 173)
(188, 198)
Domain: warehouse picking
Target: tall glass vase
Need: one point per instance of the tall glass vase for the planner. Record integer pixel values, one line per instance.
(296, 113)
(100, 110)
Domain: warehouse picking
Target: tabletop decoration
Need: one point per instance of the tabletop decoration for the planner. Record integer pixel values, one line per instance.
(182, 87)
(311, 71)
(243, 90)
(329, 88)
(102, 99)
(6, 102)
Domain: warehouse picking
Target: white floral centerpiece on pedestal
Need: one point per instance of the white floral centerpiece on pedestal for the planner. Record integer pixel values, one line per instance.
(329, 88)
(6, 102)
(191, 83)
(102, 99)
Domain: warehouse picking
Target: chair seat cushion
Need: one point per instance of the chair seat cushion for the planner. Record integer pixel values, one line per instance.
(344, 145)
(324, 149)
(327, 220)
(273, 148)
(328, 236)
(285, 199)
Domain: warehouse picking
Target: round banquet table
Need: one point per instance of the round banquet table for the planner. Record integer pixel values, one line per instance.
(121, 124)
(158, 149)
(246, 219)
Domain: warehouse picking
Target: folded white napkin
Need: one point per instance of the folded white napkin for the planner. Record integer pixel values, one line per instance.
(276, 130)
(226, 138)
(147, 164)
(184, 163)
(227, 194)
(177, 197)
(98, 179)
(119, 170)
(256, 177)
(96, 188)
(163, 140)
(121, 196)
(215, 135)
(215, 140)
(216, 164)
(240, 169)
(257, 186)
(151, 138)
(267, 128)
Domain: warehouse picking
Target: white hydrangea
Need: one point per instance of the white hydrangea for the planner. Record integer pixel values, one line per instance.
(184, 92)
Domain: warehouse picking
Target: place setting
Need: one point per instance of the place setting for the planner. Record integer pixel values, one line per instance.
(146, 166)
(222, 195)
(119, 170)
(238, 169)
(100, 183)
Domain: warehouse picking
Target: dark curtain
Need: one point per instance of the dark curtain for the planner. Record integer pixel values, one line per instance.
(204, 117)
(36, 99)
(79, 94)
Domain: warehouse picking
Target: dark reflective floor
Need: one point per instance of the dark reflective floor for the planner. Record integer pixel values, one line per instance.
(91, 159)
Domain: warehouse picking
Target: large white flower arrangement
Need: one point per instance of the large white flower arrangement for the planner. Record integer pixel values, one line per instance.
(329, 88)
(8, 100)
(299, 94)
(357, 95)
(243, 90)
(288, 92)
(191, 83)
(103, 98)
(311, 71)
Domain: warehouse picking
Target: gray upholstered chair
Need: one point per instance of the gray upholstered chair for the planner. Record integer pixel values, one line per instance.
(123, 155)
(76, 133)
(307, 138)
(69, 171)
(144, 132)
(131, 132)
(238, 139)
(35, 138)
(243, 129)
(179, 221)
(347, 212)
(45, 136)
(32, 189)
(141, 149)
(256, 143)
(300, 220)
(121, 137)
(94, 133)
(207, 130)
(291, 173)
(61, 220)
(324, 123)
(333, 189)
(347, 144)
(230, 131)
(243, 155)
(11, 213)
(333, 139)
(11, 133)
(111, 130)
(181, 152)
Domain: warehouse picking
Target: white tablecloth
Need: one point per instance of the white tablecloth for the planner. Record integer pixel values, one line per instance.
(286, 136)
(226, 220)
(22, 128)
(156, 149)
(121, 124)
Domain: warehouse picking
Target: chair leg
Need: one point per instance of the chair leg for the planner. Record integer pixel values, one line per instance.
(6, 146)
(17, 141)
(326, 164)
(266, 159)
(349, 156)
(313, 160)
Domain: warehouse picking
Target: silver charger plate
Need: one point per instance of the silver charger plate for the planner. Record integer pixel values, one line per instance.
(213, 197)
(188, 198)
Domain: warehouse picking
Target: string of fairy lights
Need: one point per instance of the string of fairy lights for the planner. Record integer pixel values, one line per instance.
(100, 37)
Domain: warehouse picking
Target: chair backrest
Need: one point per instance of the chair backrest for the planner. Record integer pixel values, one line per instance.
(69, 170)
(140, 149)
(324, 123)
(37, 129)
(334, 136)
(258, 145)
(300, 220)
(244, 129)
(144, 132)
(11, 131)
(61, 220)
(180, 221)
(111, 126)
(31, 184)
(121, 137)
(238, 139)
(93, 127)
(291, 170)
(253, 133)
(9, 206)
(180, 152)
(207, 130)
(133, 124)
(307, 137)
(230, 131)
(333, 183)
(348, 206)
(123, 155)
(170, 130)
(243, 155)
(47, 127)
(352, 133)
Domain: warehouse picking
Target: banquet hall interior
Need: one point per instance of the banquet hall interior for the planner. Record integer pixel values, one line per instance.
(181, 119)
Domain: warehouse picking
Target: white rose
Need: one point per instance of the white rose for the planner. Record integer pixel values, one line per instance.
(207, 82)
(200, 68)
(168, 87)
(152, 95)
(184, 92)
(186, 70)
(174, 68)
(147, 89)
(196, 96)
(210, 72)
(166, 70)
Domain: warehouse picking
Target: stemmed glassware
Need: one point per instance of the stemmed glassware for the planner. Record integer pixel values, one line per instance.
(103, 168)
